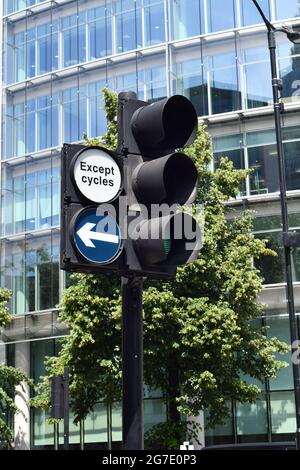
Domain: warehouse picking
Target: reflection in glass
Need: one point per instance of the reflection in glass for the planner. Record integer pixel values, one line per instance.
(224, 86)
(129, 30)
(271, 267)
(290, 74)
(264, 176)
(283, 413)
(220, 15)
(292, 164)
(237, 157)
(279, 327)
(251, 419)
(259, 84)
(154, 24)
(287, 9)
(191, 82)
(184, 23)
(249, 13)
(99, 33)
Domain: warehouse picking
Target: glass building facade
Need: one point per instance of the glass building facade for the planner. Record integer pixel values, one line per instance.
(56, 57)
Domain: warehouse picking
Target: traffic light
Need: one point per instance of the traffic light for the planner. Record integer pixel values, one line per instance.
(92, 179)
(157, 180)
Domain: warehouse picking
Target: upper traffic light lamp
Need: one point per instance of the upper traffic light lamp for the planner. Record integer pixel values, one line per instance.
(157, 180)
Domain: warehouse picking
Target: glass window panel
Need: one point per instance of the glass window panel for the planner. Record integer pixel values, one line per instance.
(55, 196)
(225, 429)
(287, 9)
(30, 132)
(292, 165)
(263, 223)
(16, 264)
(290, 75)
(154, 24)
(294, 220)
(220, 15)
(155, 82)
(264, 176)
(100, 38)
(283, 413)
(31, 63)
(43, 432)
(30, 277)
(31, 202)
(44, 200)
(19, 204)
(296, 264)
(69, 48)
(258, 85)
(261, 137)
(98, 123)
(74, 115)
(237, 157)
(291, 133)
(279, 327)
(129, 31)
(271, 267)
(55, 274)
(39, 350)
(117, 422)
(18, 133)
(95, 425)
(227, 142)
(155, 412)
(192, 83)
(225, 94)
(20, 70)
(252, 418)
(250, 14)
(81, 44)
(184, 24)
(47, 268)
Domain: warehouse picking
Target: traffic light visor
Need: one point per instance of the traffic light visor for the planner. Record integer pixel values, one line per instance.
(171, 179)
(164, 126)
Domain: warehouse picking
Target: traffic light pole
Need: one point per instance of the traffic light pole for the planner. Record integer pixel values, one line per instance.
(285, 228)
(132, 363)
(66, 408)
(287, 235)
(132, 333)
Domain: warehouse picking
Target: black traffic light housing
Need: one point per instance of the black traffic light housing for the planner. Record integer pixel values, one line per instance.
(155, 174)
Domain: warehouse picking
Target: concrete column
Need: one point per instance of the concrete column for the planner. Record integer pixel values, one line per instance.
(201, 435)
(22, 421)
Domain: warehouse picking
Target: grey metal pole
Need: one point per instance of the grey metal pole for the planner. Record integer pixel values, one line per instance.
(66, 408)
(109, 425)
(132, 355)
(56, 436)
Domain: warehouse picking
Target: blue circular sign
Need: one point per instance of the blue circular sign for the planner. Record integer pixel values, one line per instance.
(97, 236)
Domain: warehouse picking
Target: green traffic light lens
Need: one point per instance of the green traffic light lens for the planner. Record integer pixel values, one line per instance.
(167, 246)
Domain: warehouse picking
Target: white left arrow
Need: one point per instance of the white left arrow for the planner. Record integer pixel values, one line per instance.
(86, 234)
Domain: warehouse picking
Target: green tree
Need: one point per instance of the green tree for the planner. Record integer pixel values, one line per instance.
(10, 378)
(200, 336)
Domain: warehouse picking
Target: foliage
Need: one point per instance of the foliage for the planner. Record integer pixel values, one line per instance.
(5, 316)
(170, 435)
(200, 337)
(10, 378)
